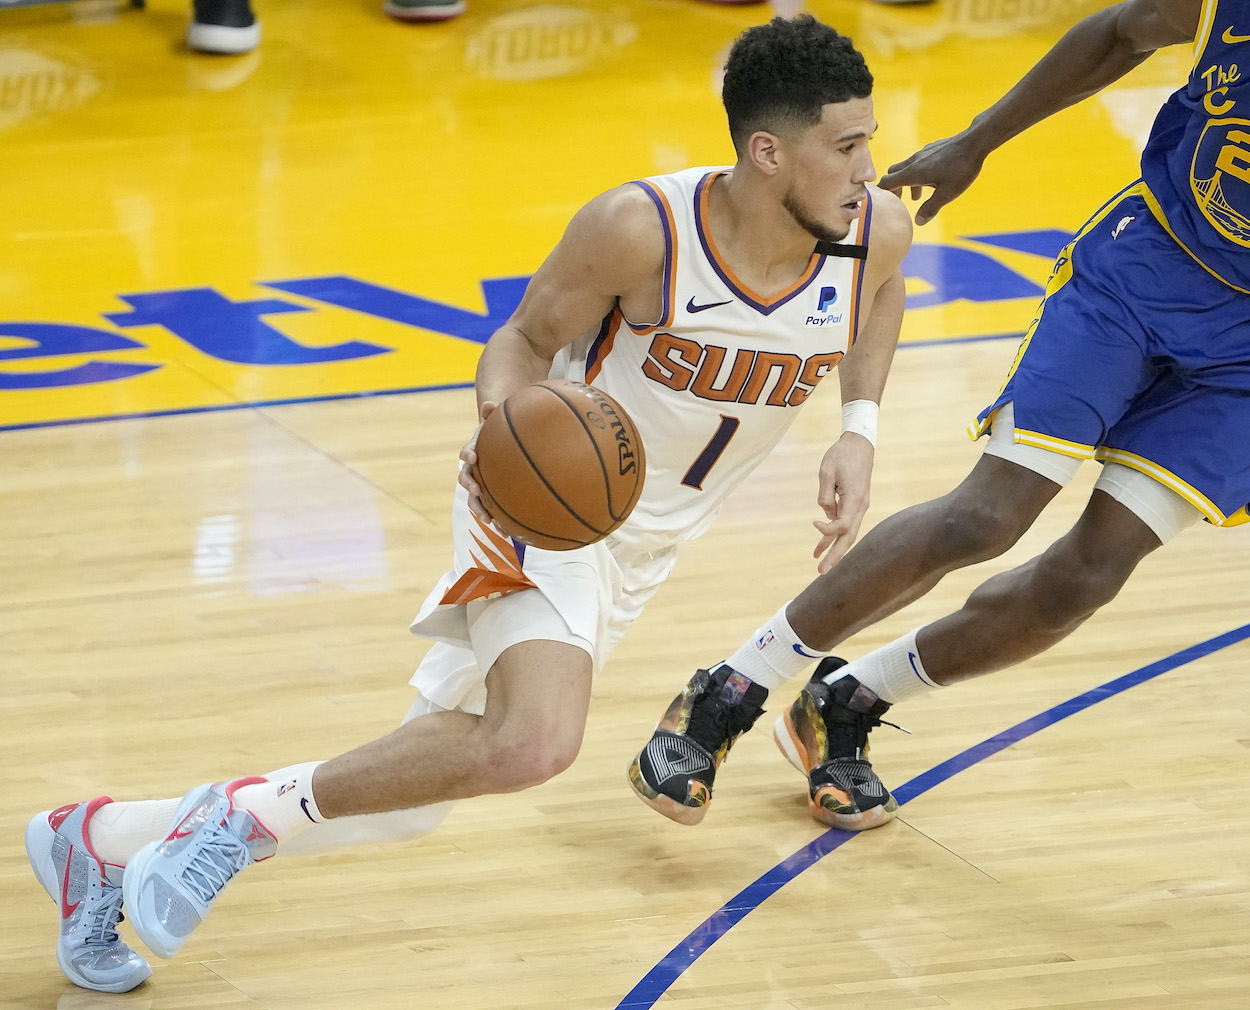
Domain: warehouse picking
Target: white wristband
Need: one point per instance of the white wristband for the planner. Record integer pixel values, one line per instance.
(860, 416)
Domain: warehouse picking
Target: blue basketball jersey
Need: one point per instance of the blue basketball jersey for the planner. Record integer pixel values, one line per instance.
(1197, 161)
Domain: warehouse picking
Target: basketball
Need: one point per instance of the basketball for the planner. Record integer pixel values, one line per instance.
(560, 465)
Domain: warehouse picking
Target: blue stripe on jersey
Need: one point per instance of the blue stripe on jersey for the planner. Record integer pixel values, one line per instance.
(592, 355)
(859, 270)
(666, 293)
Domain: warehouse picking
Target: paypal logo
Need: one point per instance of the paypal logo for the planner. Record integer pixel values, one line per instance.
(827, 297)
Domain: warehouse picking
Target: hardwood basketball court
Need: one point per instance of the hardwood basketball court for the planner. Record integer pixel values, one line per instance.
(216, 528)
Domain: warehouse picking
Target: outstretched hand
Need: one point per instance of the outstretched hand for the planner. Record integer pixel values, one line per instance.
(845, 475)
(947, 166)
(468, 475)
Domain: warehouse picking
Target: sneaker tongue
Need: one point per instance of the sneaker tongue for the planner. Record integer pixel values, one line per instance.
(113, 873)
(744, 700)
(735, 688)
(863, 699)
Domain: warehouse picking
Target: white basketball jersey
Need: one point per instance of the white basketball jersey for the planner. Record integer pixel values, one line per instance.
(714, 384)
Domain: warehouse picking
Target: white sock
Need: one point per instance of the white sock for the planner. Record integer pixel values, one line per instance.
(894, 671)
(364, 829)
(774, 654)
(367, 829)
(283, 802)
(118, 830)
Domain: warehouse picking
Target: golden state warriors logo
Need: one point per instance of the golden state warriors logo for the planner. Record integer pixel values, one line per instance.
(1220, 177)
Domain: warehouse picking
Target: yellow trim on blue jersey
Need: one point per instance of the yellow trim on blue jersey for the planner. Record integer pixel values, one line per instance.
(1059, 276)
(1168, 479)
(1157, 210)
(1205, 23)
(1242, 515)
(1077, 450)
(976, 427)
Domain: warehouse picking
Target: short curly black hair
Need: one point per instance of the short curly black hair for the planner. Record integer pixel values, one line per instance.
(780, 74)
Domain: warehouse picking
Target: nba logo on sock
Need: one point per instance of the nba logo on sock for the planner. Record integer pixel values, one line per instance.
(286, 787)
(764, 640)
(827, 297)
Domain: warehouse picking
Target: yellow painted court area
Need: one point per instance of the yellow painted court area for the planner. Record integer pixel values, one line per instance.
(428, 160)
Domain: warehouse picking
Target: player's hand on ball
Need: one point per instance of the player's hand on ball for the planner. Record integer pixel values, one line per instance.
(468, 475)
(558, 466)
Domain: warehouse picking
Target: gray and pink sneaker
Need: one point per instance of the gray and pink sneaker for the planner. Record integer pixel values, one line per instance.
(89, 894)
(171, 885)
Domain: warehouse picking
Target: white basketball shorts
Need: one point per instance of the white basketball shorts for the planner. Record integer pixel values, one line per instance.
(499, 593)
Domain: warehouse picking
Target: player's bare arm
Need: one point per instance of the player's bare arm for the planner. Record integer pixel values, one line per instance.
(1096, 51)
(846, 470)
(611, 253)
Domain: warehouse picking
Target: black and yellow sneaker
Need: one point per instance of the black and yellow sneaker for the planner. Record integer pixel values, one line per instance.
(675, 771)
(824, 734)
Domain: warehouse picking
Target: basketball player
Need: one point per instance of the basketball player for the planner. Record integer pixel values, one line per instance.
(710, 304)
(1139, 357)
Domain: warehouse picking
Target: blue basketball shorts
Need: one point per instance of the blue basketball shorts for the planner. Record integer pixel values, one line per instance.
(1139, 356)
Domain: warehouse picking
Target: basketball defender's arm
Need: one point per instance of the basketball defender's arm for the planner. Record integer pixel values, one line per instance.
(1096, 51)
(846, 469)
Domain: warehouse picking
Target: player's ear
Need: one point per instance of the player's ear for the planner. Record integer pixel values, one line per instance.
(763, 150)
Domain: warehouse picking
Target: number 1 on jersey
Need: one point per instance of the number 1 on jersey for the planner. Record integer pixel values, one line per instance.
(711, 453)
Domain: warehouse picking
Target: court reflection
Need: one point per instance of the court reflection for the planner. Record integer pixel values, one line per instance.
(40, 83)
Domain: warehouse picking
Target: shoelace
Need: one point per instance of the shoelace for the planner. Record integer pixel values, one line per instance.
(217, 858)
(713, 721)
(853, 737)
(105, 918)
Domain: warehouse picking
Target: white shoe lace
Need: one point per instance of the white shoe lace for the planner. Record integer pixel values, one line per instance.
(105, 917)
(216, 858)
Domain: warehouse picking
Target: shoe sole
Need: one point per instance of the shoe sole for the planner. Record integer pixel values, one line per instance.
(788, 742)
(417, 14)
(132, 902)
(39, 836)
(223, 40)
(662, 804)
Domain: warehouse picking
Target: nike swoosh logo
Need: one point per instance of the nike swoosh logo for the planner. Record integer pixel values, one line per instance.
(810, 655)
(303, 805)
(911, 658)
(66, 908)
(180, 834)
(692, 307)
(1232, 39)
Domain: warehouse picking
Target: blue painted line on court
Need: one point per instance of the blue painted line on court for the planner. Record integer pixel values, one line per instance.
(938, 341)
(660, 978)
(365, 394)
(240, 405)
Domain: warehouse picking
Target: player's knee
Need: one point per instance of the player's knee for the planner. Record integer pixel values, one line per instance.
(522, 762)
(977, 529)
